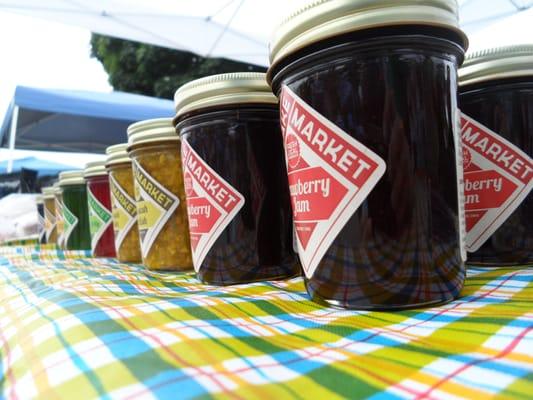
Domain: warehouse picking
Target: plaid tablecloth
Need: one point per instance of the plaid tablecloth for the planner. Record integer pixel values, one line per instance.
(72, 327)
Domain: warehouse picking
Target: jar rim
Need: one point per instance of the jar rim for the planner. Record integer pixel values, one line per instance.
(497, 63)
(117, 154)
(150, 131)
(48, 191)
(94, 168)
(74, 177)
(223, 90)
(325, 19)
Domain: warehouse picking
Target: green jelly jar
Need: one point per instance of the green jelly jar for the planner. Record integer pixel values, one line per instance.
(76, 234)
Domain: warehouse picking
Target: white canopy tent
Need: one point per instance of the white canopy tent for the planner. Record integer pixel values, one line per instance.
(240, 29)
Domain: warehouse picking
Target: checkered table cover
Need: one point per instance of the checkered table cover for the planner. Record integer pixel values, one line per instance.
(73, 327)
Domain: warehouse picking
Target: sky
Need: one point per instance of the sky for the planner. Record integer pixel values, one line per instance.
(50, 55)
(41, 53)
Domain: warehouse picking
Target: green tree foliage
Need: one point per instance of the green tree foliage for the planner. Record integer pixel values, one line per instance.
(155, 71)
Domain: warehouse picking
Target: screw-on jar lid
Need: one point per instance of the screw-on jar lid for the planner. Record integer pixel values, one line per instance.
(498, 63)
(323, 19)
(151, 131)
(95, 168)
(71, 178)
(117, 154)
(222, 90)
(48, 192)
(39, 199)
(57, 188)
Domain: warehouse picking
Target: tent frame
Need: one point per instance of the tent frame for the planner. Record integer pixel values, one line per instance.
(12, 138)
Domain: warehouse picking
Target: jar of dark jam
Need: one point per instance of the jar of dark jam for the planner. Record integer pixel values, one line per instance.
(76, 232)
(496, 101)
(368, 112)
(235, 179)
(99, 206)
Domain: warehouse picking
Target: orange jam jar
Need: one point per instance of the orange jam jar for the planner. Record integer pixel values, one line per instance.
(154, 148)
(124, 209)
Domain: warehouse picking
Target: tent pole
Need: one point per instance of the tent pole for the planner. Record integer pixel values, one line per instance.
(12, 136)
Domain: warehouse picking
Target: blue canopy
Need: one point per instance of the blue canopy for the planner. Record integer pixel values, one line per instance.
(71, 120)
(43, 167)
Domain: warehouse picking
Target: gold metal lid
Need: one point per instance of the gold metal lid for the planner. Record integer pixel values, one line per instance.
(151, 131)
(95, 168)
(57, 188)
(117, 154)
(48, 192)
(223, 89)
(497, 63)
(323, 19)
(71, 178)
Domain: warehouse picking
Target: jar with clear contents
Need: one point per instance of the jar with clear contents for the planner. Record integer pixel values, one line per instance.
(160, 196)
(50, 215)
(124, 209)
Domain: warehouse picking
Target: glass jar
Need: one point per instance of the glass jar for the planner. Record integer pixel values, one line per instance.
(39, 202)
(76, 233)
(99, 205)
(49, 214)
(127, 243)
(235, 179)
(159, 195)
(60, 223)
(496, 98)
(368, 113)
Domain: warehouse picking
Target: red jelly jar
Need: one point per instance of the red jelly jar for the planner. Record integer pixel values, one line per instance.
(496, 101)
(368, 106)
(238, 202)
(100, 215)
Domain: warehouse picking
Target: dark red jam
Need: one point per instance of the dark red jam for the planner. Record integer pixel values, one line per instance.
(505, 107)
(100, 216)
(236, 156)
(395, 92)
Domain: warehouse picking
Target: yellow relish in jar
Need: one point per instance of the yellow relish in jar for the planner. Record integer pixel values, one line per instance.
(123, 205)
(154, 149)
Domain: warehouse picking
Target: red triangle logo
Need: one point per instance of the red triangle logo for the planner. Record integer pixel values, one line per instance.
(472, 218)
(194, 240)
(304, 230)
